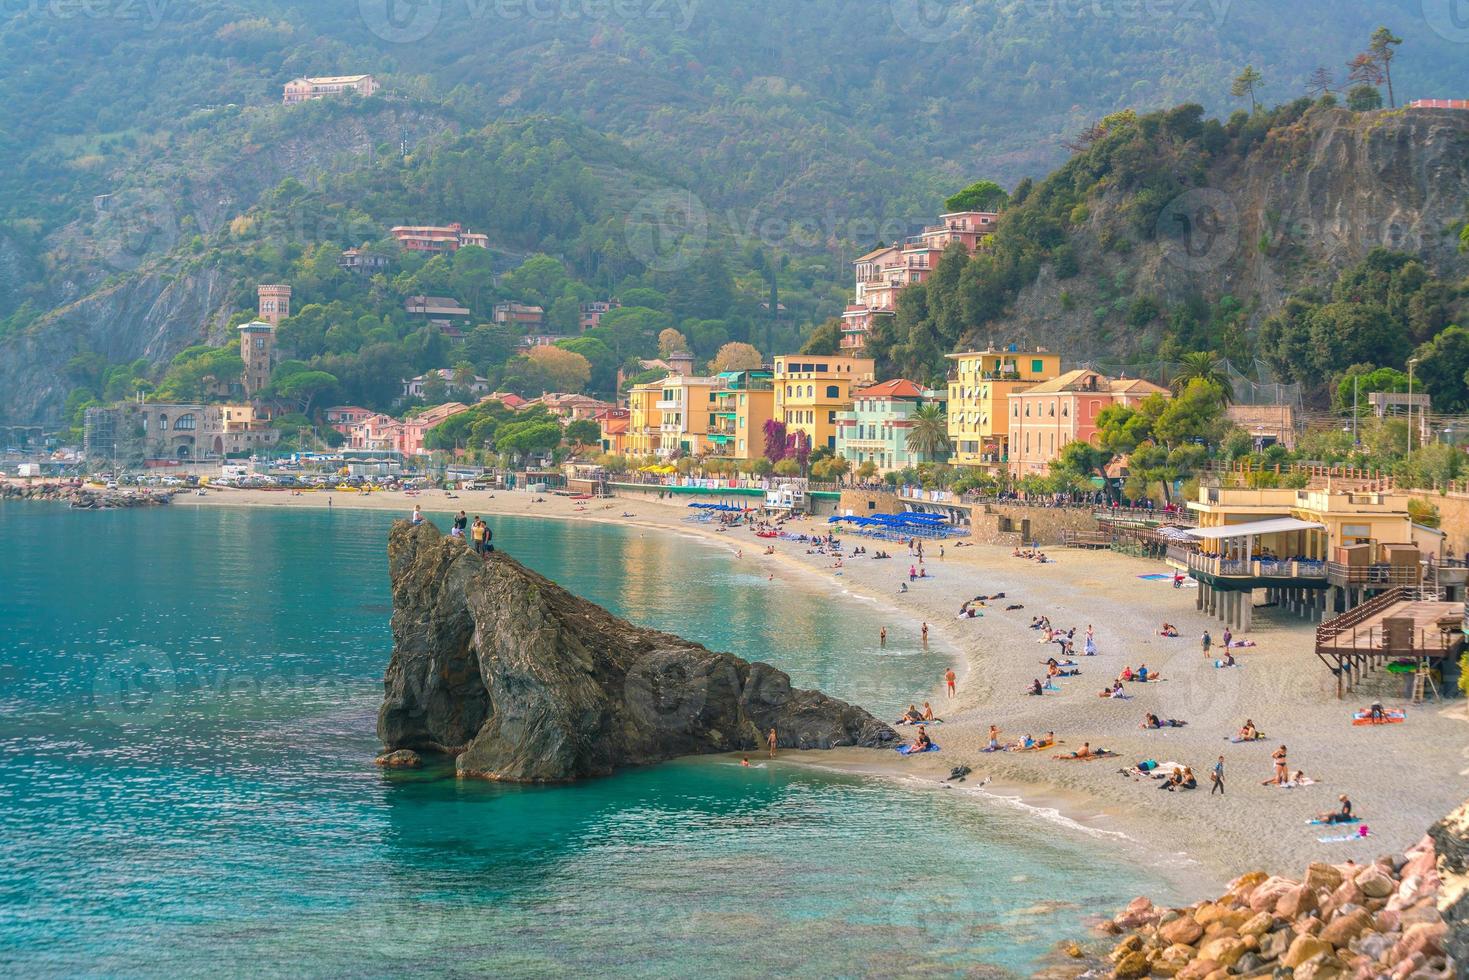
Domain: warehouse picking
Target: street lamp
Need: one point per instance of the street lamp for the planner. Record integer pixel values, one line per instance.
(1412, 363)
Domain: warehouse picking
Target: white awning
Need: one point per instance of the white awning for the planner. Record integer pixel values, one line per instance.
(1274, 525)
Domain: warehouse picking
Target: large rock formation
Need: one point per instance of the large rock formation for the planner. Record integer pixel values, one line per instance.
(525, 682)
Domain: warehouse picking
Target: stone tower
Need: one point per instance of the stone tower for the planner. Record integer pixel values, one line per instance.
(257, 347)
(275, 303)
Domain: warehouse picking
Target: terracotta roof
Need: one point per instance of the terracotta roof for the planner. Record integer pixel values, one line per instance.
(875, 253)
(613, 427)
(896, 388)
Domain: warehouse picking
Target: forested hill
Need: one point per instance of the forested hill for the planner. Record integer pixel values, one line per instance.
(141, 197)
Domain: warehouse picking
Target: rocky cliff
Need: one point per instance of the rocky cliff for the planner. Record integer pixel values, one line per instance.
(1311, 200)
(524, 682)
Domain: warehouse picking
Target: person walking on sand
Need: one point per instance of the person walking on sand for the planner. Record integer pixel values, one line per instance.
(1218, 777)
(949, 679)
(1206, 641)
(770, 740)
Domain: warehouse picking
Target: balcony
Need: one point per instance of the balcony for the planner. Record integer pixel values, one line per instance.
(1375, 576)
(1218, 566)
(668, 405)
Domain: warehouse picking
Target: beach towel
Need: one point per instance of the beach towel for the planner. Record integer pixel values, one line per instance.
(1343, 838)
(1332, 823)
(910, 750)
(1292, 784)
(1388, 718)
(1096, 754)
(1259, 737)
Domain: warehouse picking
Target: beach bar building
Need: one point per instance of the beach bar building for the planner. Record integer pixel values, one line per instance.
(1315, 551)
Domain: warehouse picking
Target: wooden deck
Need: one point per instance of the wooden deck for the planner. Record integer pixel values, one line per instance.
(1400, 624)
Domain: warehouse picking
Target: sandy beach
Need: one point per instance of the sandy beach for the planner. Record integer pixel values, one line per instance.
(1400, 777)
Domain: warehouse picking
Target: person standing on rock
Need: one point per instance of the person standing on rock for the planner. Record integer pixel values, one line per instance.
(770, 740)
(1218, 777)
(461, 524)
(417, 517)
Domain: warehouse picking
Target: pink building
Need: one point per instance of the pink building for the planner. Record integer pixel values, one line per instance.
(885, 272)
(344, 417)
(387, 434)
(591, 313)
(299, 90)
(437, 238)
(1047, 416)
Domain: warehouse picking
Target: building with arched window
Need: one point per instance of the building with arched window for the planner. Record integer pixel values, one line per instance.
(811, 390)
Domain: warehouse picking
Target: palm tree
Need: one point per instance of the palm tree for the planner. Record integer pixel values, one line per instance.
(929, 434)
(1203, 366)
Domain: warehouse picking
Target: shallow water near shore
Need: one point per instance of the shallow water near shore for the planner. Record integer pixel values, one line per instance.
(187, 702)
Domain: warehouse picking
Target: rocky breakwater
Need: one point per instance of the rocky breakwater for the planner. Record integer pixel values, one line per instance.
(84, 497)
(1404, 916)
(522, 681)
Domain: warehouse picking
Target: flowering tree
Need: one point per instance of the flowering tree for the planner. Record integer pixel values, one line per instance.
(775, 440)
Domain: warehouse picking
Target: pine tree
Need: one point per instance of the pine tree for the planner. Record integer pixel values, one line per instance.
(1244, 84)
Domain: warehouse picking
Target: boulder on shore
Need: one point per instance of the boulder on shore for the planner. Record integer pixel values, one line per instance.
(524, 682)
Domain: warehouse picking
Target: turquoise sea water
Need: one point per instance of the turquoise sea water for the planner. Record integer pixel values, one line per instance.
(187, 706)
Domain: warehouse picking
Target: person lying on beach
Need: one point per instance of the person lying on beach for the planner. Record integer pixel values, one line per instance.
(1014, 607)
(1153, 721)
(1085, 752)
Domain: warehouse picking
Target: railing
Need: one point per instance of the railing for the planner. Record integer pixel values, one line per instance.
(1223, 567)
(1375, 575)
(1178, 515)
(1332, 633)
(1085, 539)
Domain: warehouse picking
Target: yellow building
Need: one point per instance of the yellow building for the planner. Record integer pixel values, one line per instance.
(673, 417)
(743, 404)
(980, 386)
(810, 390)
(644, 420)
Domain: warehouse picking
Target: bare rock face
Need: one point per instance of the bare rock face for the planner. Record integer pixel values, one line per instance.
(525, 682)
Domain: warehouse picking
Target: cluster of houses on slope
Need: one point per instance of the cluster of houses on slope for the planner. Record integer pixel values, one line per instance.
(1007, 409)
